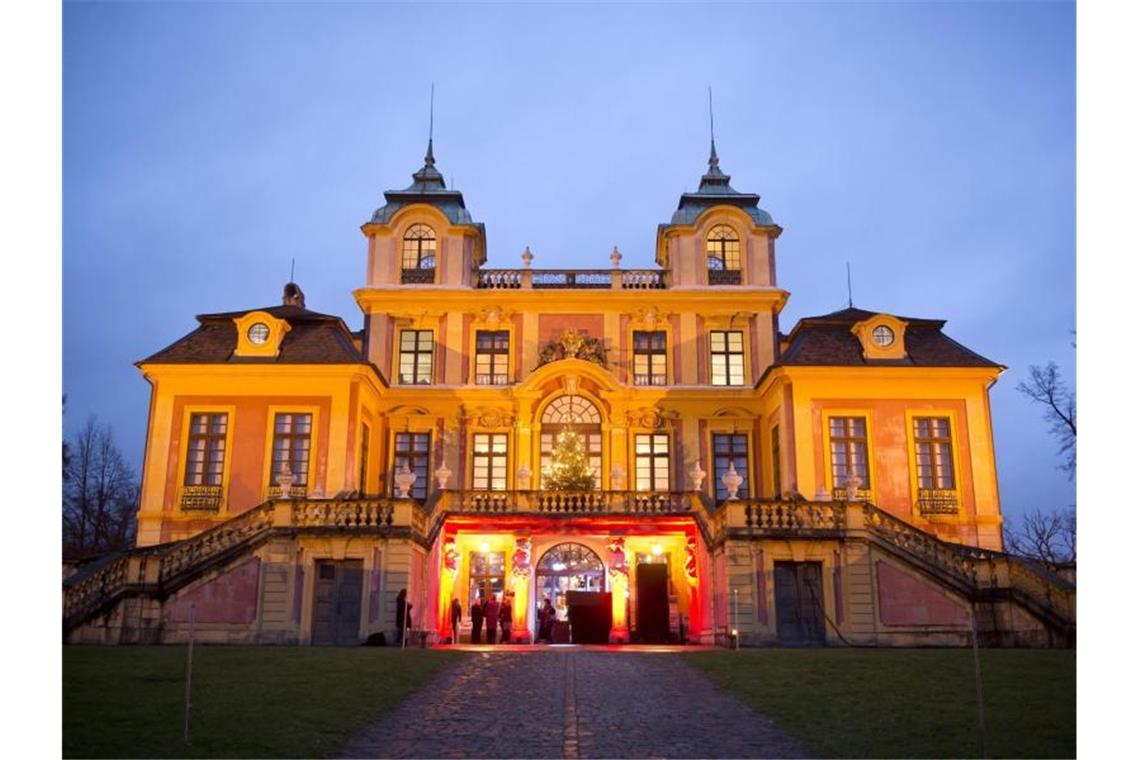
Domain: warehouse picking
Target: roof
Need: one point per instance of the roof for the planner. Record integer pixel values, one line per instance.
(314, 338)
(427, 187)
(715, 190)
(827, 340)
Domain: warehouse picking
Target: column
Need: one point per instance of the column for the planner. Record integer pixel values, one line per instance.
(619, 588)
(521, 573)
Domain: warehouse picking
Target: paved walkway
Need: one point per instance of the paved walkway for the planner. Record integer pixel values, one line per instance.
(572, 704)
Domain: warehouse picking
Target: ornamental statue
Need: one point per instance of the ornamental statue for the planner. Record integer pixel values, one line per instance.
(617, 560)
(698, 475)
(572, 344)
(404, 479)
(691, 559)
(450, 556)
(731, 480)
(520, 562)
(442, 475)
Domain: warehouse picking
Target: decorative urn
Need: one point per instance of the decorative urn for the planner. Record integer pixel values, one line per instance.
(405, 479)
(442, 475)
(698, 475)
(731, 480)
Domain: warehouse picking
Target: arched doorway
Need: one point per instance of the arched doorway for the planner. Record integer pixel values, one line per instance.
(573, 578)
(578, 415)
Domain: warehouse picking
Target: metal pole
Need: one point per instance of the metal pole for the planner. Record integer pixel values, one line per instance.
(978, 681)
(735, 630)
(189, 677)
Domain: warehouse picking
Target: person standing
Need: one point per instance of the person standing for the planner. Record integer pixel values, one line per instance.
(456, 616)
(477, 619)
(403, 615)
(491, 612)
(505, 617)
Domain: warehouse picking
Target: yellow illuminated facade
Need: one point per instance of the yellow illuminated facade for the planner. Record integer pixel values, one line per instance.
(746, 482)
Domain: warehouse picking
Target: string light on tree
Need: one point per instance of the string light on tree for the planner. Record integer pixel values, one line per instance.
(570, 468)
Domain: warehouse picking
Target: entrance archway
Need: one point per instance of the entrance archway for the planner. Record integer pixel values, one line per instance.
(573, 578)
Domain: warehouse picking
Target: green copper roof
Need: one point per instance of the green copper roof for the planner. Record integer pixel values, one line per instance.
(427, 187)
(714, 190)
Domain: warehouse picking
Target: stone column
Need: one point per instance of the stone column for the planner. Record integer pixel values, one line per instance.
(520, 585)
(619, 586)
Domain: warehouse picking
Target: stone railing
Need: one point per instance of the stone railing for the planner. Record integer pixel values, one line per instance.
(359, 513)
(568, 502)
(568, 279)
(217, 540)
(959, 561)
(795, 517)
(89, 592)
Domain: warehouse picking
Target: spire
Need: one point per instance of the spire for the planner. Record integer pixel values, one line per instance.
(714, 162)
(429, 159)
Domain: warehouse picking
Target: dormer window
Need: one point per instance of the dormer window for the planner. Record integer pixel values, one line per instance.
(418, 265)
(258, 333)
(723, 250)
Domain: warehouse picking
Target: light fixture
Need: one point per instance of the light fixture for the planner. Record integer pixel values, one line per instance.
(558, 566)
(656, 549)
(484, 547)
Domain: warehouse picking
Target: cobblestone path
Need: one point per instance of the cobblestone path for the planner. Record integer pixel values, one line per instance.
(572, 705)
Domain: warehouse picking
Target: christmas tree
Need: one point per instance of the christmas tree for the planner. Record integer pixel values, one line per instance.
(569, 466)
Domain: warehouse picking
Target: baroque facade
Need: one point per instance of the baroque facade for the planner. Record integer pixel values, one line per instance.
(835, 483)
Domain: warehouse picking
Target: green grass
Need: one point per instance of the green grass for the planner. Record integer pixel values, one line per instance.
(908, 703)
(247, 701)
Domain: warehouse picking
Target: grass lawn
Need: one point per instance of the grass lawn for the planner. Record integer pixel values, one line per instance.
(908, 703)
(247, 701)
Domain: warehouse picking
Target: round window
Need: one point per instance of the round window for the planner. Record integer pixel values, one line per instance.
(883, 336)
(258, 333)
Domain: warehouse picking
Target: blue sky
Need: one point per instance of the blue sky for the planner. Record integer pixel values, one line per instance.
(932, 146)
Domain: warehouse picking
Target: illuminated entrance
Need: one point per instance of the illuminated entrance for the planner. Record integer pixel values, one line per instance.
(573, 578)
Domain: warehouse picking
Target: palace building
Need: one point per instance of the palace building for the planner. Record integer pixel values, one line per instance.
(646, 449)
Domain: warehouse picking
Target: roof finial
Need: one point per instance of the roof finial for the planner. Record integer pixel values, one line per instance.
(713, 160)
(850, 302)
(292, 266)
(429, 159)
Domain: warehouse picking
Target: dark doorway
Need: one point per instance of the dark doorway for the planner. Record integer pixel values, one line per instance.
(590, 616)
(799, 603)
(653, 603)
(336, 603)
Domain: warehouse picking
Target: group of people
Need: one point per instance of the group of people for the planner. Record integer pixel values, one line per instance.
(491, 613)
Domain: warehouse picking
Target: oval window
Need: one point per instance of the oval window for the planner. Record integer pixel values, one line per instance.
(258, 333)
(883, 336)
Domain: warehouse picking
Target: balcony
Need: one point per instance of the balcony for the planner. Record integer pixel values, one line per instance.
(201, 498)
(569, 502)
(937, 501)
(724, 277)
(571, 279)
(424, 276)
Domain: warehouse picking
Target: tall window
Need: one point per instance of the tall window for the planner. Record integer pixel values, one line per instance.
(578, 415)
(932, 452)
(776, 485)
(723, 250)
(849, 453)
(412, 449)
(489, 462)
(730, 448)
(488, 574)
(206, 449)
(651, 454)
(365, 439)
(727, 347)
(291, 436)
(649, 358)
(492, 354)
(416, 348)
(418, 262)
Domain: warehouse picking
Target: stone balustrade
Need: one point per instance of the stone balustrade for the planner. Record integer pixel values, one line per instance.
(571, 279)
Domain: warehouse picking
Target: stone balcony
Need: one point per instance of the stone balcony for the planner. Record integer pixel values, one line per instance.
(572, 279)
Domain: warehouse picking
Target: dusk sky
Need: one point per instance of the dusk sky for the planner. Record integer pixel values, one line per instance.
(931, 146)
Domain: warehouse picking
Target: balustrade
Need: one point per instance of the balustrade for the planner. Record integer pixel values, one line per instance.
(566, 279)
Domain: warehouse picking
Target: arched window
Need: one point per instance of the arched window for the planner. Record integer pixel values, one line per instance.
(723, 251)
(567, 567)
(578, 415)
(419, 254)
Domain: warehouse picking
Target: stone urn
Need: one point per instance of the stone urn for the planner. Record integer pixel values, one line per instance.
(698, 475)
(731, 480)
(527, 257)
(615, 257)
(405, 479)
(853, 484)
(442, 475)
(285, 479)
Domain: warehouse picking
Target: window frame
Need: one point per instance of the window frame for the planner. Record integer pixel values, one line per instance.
(934, 510)
(414, 272)
(651, 352)
(183, 492)
(744, 471)
(654, 458)
(420, 488)
(731, 267)
(417, 353)
(838, 491)
(493, 352)
(727, 355)
(491, 455)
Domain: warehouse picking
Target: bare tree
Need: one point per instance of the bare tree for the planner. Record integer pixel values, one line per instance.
(1050, 537)
(1046, 387)
(100, 494)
